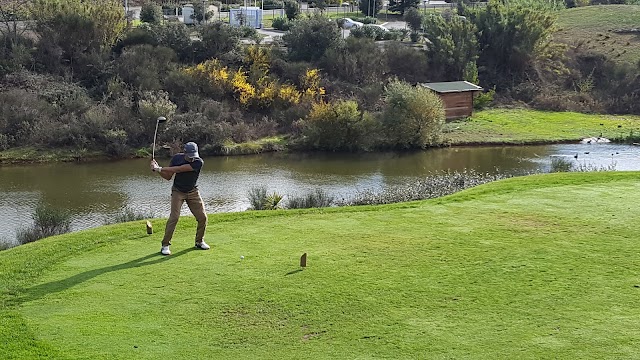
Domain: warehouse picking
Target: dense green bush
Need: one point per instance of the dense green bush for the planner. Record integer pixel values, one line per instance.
(406, 62)
(175, 36)
(453, 47)
(357, 60)
(413, 116)
(20, 113)
(220, 40)
(47, 221)
(309, 38)
(338, 126)
(151, 13)
(16, 53)
(144, 67)
(414, 19)
(292, 9)
(281, 23)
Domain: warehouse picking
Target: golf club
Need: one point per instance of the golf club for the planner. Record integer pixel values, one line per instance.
(155, 134)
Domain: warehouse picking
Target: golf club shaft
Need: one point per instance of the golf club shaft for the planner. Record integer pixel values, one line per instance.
(153, 152)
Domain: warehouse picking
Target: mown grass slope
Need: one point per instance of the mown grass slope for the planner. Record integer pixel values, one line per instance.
(596, 29)
(544, 266)
(521, 126)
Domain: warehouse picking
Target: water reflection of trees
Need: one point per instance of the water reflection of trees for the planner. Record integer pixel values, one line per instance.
(78, 188)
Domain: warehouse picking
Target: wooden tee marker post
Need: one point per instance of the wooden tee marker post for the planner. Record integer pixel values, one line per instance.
(303, 260)
(149, 227)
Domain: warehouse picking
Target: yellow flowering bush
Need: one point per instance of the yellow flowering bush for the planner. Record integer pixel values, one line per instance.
(254, 88)
(289, 95)
(311, 85)
(243, 90)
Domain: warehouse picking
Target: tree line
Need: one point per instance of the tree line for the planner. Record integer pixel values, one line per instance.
(77, 75)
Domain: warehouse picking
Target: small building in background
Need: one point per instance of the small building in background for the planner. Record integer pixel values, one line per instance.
(188, 14)
(250, 16)
(457, 97)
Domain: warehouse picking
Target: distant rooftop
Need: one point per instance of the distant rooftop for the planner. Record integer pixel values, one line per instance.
(452, 86)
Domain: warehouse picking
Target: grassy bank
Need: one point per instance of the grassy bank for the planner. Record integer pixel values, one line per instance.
(525, 268)
(519, 126)
(595, 28)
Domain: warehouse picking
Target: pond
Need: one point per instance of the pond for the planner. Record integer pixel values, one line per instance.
(95, 192)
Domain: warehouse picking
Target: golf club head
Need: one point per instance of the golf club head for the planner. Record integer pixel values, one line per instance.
(162, 119)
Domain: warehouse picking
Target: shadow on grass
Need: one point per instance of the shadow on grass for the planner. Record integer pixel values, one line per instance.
(293, 272)
(53, 287)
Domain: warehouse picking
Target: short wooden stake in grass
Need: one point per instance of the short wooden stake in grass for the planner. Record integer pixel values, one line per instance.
(149, 227)
(303, 260)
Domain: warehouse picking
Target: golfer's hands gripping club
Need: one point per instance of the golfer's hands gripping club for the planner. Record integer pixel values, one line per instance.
(154, 166)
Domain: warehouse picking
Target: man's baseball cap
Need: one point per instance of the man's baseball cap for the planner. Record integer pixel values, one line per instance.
(191, 150)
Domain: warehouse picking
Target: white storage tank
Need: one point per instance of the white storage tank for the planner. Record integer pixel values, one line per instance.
(187, 14)
(246, 16)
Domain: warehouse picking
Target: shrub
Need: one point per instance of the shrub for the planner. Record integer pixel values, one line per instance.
(127, 214)
(20, 113)
(414, 18)
(5, 142)
(154, 104)
(337, 126)
(138, 36)
(483, 99)
(198, 127)
(257, 197)
(144, 66)
(437, 185)
(413, 116)
(281, 23)
(272, 201)
(358, 61)
(309, 38)
(151, 13)
(175, 36)
(48, 221)
(317, 199)
(371, 32)
(292, 9)
(220, 39)
(561, 164)
(116, 142)
(406, 62)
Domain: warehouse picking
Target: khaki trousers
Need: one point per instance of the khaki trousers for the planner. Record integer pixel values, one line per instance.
(194, 201)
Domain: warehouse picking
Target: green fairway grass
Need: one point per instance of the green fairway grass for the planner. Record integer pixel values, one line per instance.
(520, 126)
(537, 267)
(593, 28)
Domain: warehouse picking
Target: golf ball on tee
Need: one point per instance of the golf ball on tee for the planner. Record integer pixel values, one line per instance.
(241, 256)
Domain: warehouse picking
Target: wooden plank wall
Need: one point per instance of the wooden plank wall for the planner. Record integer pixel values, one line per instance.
(457, 105)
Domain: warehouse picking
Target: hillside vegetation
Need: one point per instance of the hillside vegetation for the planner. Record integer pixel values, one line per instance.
(543, 266)
(603, 29)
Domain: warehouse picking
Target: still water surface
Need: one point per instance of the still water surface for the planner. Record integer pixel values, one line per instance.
(94, 192)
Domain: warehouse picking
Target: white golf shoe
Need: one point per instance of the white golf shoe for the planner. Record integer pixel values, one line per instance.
(165, 250)
(202, 245)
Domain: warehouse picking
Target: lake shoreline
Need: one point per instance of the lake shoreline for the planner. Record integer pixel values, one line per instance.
(492, 127)
(44, 158)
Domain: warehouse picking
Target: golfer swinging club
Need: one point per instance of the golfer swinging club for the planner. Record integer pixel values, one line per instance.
(186, 166)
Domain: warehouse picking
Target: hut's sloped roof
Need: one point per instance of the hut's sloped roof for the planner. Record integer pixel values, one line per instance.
(452, 86)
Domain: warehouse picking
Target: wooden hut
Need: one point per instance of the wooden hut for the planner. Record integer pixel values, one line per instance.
(457, 97)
